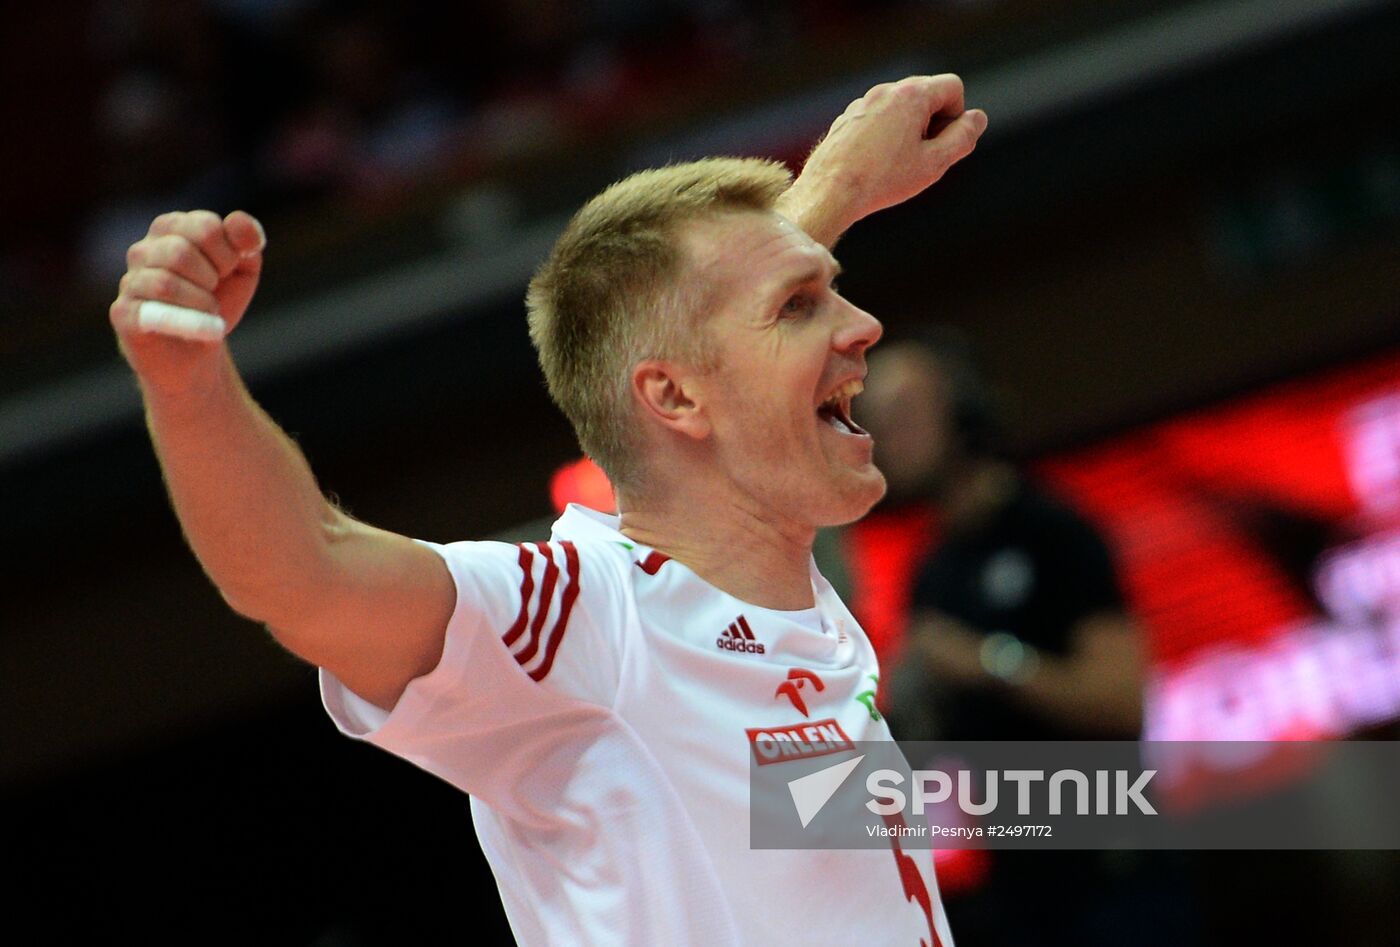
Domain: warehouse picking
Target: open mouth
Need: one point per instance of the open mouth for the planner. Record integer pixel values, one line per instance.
(836, 409)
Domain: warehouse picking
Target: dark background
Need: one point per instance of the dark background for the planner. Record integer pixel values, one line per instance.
(1174, 203)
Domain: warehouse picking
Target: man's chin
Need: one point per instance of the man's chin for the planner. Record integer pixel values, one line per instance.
(859, 501)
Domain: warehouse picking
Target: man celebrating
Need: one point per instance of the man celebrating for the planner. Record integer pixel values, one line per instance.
(592, 693)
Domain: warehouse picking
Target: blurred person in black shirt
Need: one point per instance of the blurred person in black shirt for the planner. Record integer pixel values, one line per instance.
(1018, 630)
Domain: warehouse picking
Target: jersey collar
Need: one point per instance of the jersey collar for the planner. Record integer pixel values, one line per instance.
(580, 522)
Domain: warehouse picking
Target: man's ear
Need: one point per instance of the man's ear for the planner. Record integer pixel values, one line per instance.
(669, 396)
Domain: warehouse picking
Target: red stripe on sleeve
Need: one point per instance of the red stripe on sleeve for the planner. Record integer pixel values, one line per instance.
(527, 585)
(551, 577)
(556, 634)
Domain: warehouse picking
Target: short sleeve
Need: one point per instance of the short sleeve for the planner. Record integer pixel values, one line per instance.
(534, 644)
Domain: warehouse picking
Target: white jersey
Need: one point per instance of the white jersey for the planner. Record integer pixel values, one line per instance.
(601, 704)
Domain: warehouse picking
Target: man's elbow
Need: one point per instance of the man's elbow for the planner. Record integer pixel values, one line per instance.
(244, 603)
(1123, 705)
(289, 613)
(290, 586)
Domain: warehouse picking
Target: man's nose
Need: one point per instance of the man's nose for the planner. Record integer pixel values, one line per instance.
(858, 331)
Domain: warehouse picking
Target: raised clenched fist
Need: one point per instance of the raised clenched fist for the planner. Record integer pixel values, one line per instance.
(887, 146)
(187, 284)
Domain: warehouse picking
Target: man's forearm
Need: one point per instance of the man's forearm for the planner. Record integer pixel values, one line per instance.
(818, 207)
(1102, 700)
(1097, 687)
(245, 496)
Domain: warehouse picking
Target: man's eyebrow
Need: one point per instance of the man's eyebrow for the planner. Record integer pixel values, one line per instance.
(811, 274)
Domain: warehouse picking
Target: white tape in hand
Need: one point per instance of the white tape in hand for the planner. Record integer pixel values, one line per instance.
(183, 323)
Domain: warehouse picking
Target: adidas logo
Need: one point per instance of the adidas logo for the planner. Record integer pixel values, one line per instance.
(739, 637)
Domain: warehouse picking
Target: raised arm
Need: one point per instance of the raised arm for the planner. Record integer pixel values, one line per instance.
(370, 606)
(889, 145)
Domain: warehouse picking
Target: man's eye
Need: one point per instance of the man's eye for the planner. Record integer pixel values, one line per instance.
(796, 305)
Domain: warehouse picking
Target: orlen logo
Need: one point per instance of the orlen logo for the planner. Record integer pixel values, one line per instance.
(739, 637)
(797, 742)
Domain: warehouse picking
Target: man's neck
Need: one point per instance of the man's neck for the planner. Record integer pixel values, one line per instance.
(732, 548)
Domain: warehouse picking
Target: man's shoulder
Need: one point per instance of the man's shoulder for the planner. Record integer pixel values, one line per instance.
(565, 574)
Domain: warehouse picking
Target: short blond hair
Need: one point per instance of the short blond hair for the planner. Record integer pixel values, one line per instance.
(613, 292)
